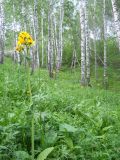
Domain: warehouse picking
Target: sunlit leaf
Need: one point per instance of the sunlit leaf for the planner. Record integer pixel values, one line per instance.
(44, 154)
(66, 127)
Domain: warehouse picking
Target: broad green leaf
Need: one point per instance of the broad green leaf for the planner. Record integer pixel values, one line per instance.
(3, 148)
(22, 155)
(51, 137)
(66, 127)
(43, 155)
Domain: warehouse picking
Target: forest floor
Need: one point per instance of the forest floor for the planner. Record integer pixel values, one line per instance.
(80, 123)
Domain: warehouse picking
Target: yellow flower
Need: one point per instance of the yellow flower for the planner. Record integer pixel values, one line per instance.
(19, 48)
(20, 40)
(25, 38)
(19, 43)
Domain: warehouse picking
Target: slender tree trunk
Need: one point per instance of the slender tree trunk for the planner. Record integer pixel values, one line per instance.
(61, 29)
(74, 59)
(50, 43)
(60, 48)
(54, 44)
(1, 33)
(83, 55)
(116, 19)
(55, 40)
(105, 44)
(87, 45)
(42, 39)
(95, 48)
(37, 63)
(14, 36)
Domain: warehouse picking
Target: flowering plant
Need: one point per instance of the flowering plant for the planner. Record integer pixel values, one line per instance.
(25, 41)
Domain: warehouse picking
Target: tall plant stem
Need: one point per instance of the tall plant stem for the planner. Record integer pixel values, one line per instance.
(32, 136)
(30, 101)
(28, 77)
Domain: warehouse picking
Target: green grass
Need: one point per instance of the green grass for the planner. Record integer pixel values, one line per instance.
(80, 123)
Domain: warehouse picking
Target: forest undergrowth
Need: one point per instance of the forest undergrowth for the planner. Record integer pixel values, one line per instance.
(79, 123)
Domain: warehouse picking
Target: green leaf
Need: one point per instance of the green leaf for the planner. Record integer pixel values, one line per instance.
(107, 128)
(22, 155)
(3, 148)
(69, 142)
(51, 137)
(101, 137)
(66, 127)
(43, 155)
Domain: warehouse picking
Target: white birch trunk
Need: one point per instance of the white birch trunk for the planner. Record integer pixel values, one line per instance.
(95, 48)
(1, 33)
(87, 44)
(14, 36)
(116, 19)
(50, 41)
(37, 62)
(83, 56)
(105, 44)
(54, 43)
(60, 46)
(74, 59)
(55, 39)
(42, 39)
(61, 29)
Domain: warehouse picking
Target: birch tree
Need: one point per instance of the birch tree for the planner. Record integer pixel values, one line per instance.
(83, 55)
(105, 43)
(116, 19)
(74, 59)
(94, 33)
(42, 34)
(60, 46)
(15, 55)
(1, 32)
(87, 44)
(37, 62)
(50, 42)
(55, 37)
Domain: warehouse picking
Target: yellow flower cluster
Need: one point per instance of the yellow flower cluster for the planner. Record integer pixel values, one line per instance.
(19, 48)
(24, 39)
